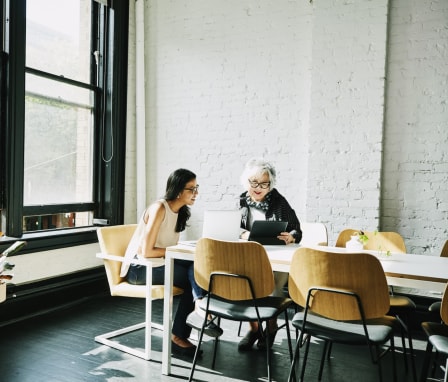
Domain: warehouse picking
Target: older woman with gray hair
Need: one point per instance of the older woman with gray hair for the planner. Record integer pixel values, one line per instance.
(262, 201)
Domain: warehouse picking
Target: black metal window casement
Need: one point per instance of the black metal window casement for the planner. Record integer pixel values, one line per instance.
(63, 91)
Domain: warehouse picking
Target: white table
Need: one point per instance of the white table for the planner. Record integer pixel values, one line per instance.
(406, 270)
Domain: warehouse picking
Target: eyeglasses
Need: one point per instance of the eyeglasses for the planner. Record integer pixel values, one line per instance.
(193, 190)
(263, 185)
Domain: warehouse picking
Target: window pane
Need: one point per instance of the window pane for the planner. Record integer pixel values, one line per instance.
(58, 37)
(58, 143)
(57, 221)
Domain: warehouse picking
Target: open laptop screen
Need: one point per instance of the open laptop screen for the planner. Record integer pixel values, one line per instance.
(222, 224)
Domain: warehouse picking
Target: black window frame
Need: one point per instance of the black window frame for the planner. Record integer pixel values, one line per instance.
(110, 25)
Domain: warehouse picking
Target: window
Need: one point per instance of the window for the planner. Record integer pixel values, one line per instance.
(63, 136)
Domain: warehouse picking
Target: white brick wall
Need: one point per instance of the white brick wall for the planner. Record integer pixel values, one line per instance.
(346, 114)
(303, 84)
(415, 187)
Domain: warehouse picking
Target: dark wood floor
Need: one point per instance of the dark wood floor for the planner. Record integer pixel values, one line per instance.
(59, 346)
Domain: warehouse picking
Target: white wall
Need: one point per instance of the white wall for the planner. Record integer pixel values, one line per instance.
(346, 117)
(347, 98)
(37, 266)
(415, 191)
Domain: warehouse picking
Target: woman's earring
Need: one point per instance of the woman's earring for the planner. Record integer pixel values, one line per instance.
(178, 196)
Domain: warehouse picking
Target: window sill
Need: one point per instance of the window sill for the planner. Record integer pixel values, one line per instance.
(48, 240)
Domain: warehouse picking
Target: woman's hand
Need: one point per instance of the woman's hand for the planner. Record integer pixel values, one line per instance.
(286, 237)
(245, 235)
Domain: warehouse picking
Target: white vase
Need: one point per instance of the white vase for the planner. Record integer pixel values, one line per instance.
(354, 244)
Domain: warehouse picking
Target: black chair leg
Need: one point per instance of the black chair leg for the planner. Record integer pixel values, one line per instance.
(268, 349)
(434, 363)
(239, 328)
(330, 348)
(403, 345)
(394, 363)
(288, 334)
(295, 357)
(322, 360)
(445, 379)
(406, 332)
(378, 357)
(195, 358)
(411, 355)
(426, 362)
(305, 357)
(215, 345)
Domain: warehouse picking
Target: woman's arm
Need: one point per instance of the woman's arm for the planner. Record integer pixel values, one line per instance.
(153, 218)
(283, 211)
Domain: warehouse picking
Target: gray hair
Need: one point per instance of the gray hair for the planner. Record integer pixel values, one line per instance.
(258, 167)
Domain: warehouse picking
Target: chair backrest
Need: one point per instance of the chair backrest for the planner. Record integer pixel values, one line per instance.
(114, 240)
(358, 272)
(444, 252)
(240, 258)
(378, 241)
(314, 234)
(344, 236)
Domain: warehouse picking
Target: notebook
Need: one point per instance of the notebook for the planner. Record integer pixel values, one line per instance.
(222, 224)
(266, 231)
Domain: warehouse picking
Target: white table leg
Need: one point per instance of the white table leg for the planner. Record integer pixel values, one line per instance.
(167, 315)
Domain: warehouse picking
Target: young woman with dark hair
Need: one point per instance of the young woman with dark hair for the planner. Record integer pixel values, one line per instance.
(159, 228)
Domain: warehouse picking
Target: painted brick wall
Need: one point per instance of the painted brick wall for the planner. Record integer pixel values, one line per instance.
(415, 192)
(346, 116)
(303, 84)
(228, 82)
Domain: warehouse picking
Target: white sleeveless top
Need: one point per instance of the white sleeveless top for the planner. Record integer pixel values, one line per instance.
(167, 236)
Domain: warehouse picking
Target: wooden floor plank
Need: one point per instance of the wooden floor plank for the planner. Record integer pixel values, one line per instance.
(60, 347)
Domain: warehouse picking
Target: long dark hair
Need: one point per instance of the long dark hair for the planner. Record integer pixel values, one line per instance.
(174, 186)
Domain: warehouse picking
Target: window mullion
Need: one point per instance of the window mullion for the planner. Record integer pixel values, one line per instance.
(15, 120)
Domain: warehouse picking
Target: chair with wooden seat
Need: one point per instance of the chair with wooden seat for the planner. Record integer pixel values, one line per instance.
(113, 241)
(437, 334)
(239, 281)
(400, 306)
(345, 298)
(434, 308)
(312, 234)
(378, 241)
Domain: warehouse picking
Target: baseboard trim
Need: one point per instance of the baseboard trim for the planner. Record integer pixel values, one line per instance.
(29, 300)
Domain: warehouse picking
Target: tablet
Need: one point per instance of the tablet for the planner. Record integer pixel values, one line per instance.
(265, 232)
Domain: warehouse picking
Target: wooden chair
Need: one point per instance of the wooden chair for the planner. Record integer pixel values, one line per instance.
(444, 252)
(239, 280)
(378, 241)
(437, 333)
(346, 298)
(113, 241)
(313, 234)
(401, 307)
(435, 307)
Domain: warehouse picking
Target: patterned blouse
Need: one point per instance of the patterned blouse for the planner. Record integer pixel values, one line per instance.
(275, 208)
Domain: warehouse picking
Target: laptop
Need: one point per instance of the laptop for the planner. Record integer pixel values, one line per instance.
(222, 224)
(265, 232)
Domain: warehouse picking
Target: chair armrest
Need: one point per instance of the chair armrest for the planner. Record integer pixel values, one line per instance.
(155, 262)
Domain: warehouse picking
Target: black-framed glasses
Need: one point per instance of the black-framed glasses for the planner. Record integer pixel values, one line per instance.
(263, 185)
(193, 190)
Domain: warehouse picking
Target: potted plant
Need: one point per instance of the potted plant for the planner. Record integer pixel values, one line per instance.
(6, 267)
(357, 241)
